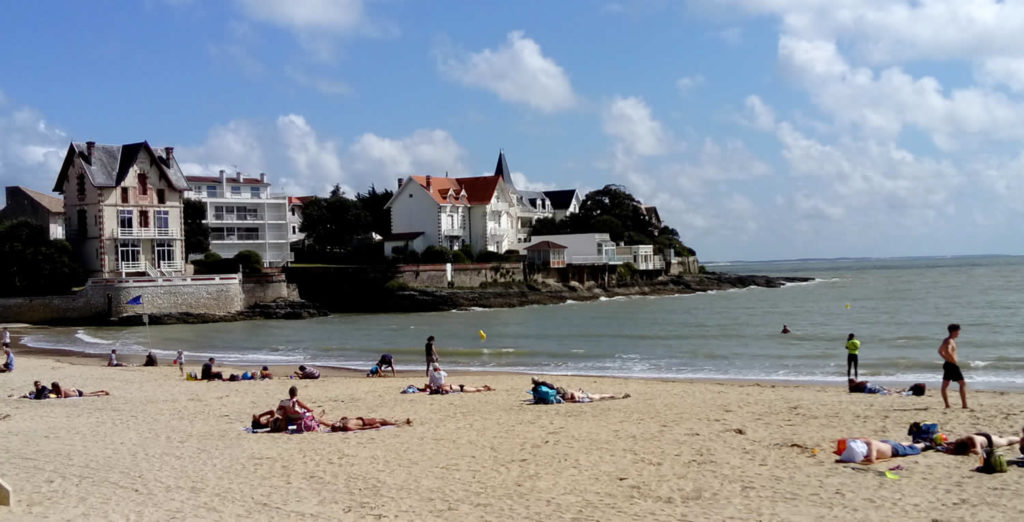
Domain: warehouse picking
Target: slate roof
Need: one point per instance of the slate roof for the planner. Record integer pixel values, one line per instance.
(109, 164)
(501, 169)
(54, 204)
(560, 199)
(531, 197)
(403, 236)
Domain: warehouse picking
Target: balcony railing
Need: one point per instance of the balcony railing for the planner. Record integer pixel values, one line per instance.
(131, 266)
(248, 218)
(175, 266)
(248, 236)
(451, 232)
(220, 194)
(146, 232)
(599, 260)
(498, 231)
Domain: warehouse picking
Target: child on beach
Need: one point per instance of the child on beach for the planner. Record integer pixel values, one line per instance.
(180, 361)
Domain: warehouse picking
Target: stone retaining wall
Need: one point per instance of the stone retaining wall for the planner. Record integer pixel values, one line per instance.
(463, 275)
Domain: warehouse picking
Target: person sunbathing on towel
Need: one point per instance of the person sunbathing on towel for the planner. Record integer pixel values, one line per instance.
(67, 393)
(582, 396)
(269, 419)
(365, 423)
(978, 442)
(867, 451)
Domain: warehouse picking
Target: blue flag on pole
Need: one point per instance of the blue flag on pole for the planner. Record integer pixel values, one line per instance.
(137, 300)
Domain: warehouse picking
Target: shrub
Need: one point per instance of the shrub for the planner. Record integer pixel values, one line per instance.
(250, 261)
(212, 256)
(488, 256)
(395, 285)
(467, 250)
(436, 254)
(459, 258)
(626, 272)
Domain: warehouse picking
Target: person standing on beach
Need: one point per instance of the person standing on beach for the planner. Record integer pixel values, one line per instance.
(852, 349)
(180, 361)
(951, 366)
(431, 354)
(6, 338)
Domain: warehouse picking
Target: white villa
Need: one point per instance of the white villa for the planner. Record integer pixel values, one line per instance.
(243, 214)
(123, 208)
(452, 212)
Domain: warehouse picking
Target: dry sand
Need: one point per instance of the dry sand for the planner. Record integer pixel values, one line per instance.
(163, 448)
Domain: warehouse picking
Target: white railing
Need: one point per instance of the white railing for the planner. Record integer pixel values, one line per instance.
(599, 260)
(171, 266)
(131, 266)
(247, 236)
(146, 232)
(220, 194)
(451, 232)
(498, 231)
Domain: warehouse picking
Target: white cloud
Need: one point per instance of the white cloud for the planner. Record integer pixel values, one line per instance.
(732, 35)
(688, 83)
(517, 72)
(761, 115)
(630, 122)
(379, 160)
(300, 15)
(314, 161)
(522, 182)
(31, 150)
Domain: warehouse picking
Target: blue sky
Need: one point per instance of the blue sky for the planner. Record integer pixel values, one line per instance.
(761, 130)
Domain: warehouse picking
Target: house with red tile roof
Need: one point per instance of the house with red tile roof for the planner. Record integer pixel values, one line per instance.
(478, 211)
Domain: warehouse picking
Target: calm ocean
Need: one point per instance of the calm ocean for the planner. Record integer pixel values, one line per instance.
(898, 308)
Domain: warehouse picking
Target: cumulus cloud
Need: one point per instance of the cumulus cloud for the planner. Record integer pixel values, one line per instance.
(522, 182)
(688, 83)
(630, 122)
(382, 160)
(314, 161)
(517, 72)
(31, 150)
(760, 115)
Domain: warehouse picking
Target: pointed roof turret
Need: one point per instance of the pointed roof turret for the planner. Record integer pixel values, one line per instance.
(501, 169)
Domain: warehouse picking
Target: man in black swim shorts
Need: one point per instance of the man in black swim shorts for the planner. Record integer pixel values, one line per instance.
(951, 368)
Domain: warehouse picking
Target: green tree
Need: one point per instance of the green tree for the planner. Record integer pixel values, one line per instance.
(332, 223)
(373, 202)
(197, 233)
(33, 264)
(250, 261)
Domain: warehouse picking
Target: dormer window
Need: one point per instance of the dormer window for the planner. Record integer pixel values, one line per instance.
(143, 184)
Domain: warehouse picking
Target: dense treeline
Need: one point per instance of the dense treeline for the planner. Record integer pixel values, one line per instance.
(33, 264)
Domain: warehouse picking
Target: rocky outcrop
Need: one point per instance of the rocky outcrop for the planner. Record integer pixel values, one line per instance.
(279, 309)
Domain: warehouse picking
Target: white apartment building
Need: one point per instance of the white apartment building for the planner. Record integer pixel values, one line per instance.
(243, 214)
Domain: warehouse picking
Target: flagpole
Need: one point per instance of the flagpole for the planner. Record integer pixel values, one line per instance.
(145, 319)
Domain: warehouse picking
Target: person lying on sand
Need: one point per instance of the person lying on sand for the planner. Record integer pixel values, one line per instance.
(867, 451)
(39, 392)
(856, 386)
(67, 393)
(452, 388)
(269, 420)
(977, 443)
(582, 396)
(365, 423)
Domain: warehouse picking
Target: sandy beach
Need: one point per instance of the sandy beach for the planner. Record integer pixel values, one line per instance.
(160, 447)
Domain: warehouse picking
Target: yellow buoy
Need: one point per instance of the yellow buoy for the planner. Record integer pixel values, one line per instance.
(483, 336)
(847, 306)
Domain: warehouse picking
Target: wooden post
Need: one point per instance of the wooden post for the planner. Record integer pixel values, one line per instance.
(6, 498)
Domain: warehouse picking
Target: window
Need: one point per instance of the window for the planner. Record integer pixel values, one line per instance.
(129, 254)
(124, 194)
(451, 221)
(211, 191)
(292, 211)
(125, 219)
(295, 229)
(161, 196)
(164, 253)
(236, 191)
(216, 233)
(81, 186)
(143, 219)
(83, 223)
(163, 222)
(143, 185)
(254, 192)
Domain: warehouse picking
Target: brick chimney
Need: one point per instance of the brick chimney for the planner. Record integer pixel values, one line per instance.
(169, 152)
(400, 181)
(89, 145)
(428, 184)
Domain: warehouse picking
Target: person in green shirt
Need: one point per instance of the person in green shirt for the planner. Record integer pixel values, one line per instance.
(852, 347)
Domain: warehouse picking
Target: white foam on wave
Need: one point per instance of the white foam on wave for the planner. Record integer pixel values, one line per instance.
(90, 339)
(979, 364)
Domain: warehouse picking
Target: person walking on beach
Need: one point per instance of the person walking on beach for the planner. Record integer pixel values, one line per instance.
(951, 366)
(6, 338)
(852, 349)
(180, 362)
(431, 354)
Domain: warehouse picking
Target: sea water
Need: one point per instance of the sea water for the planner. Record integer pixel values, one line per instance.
(898, 308)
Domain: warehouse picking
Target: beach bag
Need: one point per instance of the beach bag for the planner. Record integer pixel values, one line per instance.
(993, 461)
(544, 395)
(917, 389)
(308, 423)
(923, 431)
